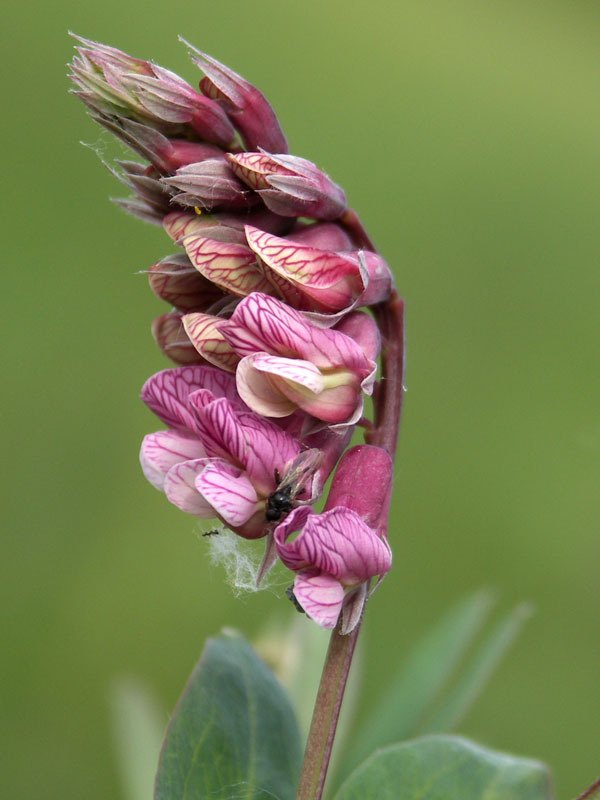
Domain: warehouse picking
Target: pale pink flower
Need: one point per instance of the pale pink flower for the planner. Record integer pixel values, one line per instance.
(218, 459)
(287, 362)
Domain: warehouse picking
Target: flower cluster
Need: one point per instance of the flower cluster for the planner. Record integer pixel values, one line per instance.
(274, 356)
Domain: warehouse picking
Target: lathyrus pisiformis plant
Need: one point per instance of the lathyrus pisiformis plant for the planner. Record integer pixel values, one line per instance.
(283, 318)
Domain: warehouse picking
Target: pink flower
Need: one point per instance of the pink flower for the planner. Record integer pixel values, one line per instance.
(334, 553)
(290, 185)
(288, 362)
(217, 459)
(315, 279)
(337, 552)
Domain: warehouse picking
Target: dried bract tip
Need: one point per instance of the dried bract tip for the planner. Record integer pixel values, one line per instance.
(245, 105)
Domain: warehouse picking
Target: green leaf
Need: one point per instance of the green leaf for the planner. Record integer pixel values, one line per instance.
(446, 768)
(428, 667)
(233, 733)
(138, 727)
(477, 672)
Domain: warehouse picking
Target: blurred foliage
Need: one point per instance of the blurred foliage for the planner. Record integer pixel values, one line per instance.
(466, 135)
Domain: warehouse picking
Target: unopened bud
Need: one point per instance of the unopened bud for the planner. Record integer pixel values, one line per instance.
(289, 185)
(247, 108)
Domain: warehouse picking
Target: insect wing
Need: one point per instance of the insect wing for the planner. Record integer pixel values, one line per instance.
(300, 470)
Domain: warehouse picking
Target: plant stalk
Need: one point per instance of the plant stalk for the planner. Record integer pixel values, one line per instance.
(326, 713)
(388, 408)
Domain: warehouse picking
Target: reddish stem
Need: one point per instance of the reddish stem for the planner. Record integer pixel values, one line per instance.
(325, 715)
(592, 792)
(388, 407)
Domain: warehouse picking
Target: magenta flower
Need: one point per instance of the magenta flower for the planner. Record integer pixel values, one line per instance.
(217, 459)
(288, 362)
(289, 185)
(337, 552)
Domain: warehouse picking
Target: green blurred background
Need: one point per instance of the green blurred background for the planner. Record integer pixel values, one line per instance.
(466, 134)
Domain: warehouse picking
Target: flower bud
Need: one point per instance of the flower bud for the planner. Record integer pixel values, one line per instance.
(222, 226)
(210, 184)
(165, 154)
(289, 185)
(175, 280)
(111, 82)
(169, 334)
(363, 483)
(246, 107)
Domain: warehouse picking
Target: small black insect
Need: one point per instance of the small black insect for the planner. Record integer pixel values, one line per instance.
(291, 485)
(213, 532)
(291, 596)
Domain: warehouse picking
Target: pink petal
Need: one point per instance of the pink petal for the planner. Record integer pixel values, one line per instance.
(203, 331)
(162, 450)
(180, 488)
(167, 392)
(327, 281)
(337, 542)
(230, 266)
(363, 329)
(320, 595)
(268, 448)
(220, 431)
(229, 491)
(264, 323)
(257, 391)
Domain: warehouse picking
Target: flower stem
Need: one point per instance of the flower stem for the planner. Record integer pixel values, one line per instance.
(390, 390)
(388, 407)
(326, 713)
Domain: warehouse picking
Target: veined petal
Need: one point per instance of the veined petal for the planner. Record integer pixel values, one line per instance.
(337, 542)
(230, 266)
(203, 331)
(162, 450)
(254, 168)
(229, 491)
(268, 448)
(327, 281)
(264, 323)
(180, 488)
(167, 392)
(182, 223)
(320, 595)
(258, 392)
(220, 431)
